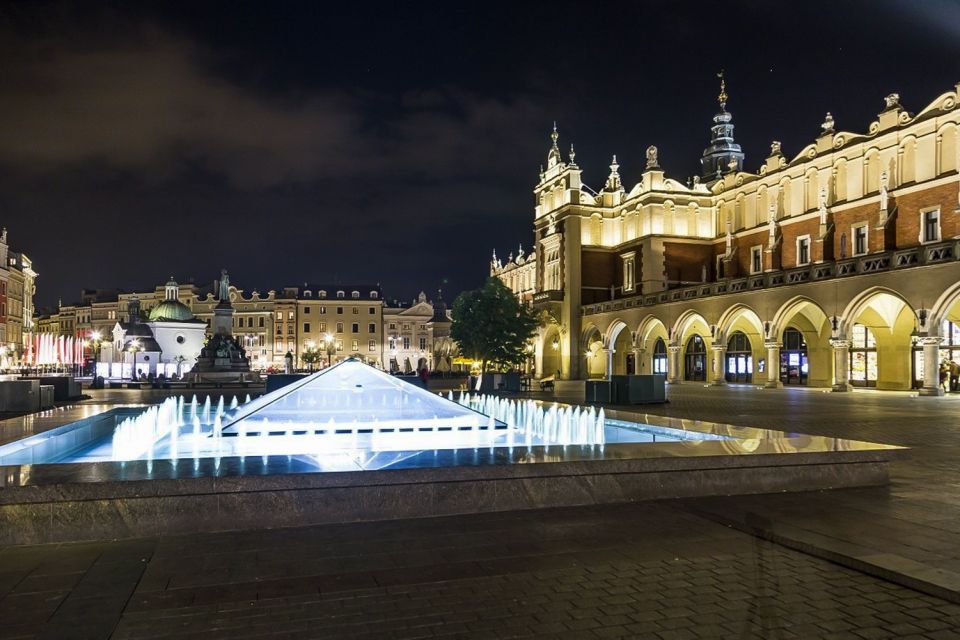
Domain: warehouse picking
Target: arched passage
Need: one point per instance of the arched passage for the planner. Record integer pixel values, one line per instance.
(549, 352)
(691, 324)
(880, 322)
(745, 357)
(592, 352)
(944, 322)
(803, 331)
(619, 339)
(649, 333)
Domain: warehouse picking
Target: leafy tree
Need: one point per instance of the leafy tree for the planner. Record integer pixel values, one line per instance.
(311, 356)
(492, 326)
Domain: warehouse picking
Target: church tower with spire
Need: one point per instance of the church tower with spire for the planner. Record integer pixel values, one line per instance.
(723, 155)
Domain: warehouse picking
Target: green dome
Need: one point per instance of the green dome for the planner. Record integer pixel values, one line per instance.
(170, 311)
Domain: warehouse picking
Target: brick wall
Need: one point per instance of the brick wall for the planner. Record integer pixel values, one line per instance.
(743, 244)
(907, 223)
(598, 269)
(788, 248)
(684, 261)
(844, 220)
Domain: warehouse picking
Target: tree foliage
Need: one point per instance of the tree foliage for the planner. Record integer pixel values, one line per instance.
(491, 325)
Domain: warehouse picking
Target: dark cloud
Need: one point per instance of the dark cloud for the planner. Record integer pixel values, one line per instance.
(394, 142)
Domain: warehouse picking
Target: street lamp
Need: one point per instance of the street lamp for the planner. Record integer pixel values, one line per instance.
(328, 339)
(95, 338)
(311, 352)
(133, 348)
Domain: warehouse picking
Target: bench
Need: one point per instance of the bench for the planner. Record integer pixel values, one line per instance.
(546, 383)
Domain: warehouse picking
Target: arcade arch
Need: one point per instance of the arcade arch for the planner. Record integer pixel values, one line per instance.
(880, 326)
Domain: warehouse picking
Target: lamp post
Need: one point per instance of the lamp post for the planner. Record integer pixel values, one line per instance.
(310, 351)
(95, 338)
(328, 340)
(133, 348)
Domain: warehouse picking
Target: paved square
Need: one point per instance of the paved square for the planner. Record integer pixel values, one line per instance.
(652, 570)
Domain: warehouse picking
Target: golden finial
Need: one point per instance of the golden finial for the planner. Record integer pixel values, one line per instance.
(722, 98)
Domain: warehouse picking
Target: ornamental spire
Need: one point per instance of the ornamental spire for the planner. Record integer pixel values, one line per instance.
(613, 180)
(553, 156)
(722, 98)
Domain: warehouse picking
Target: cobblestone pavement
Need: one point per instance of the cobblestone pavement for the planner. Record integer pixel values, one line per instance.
(633, 571)
(653, 570)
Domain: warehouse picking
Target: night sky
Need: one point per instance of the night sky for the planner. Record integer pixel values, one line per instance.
(396, 144)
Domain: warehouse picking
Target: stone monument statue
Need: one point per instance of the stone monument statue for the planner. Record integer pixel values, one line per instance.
(223, 289)
(223, 357)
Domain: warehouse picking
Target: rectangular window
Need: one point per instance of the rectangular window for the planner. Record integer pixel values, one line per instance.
(406, 342)
(261, 321)
(339, 345)
(339, 311)
(250, 323)
(355, 345)
(803, 250)
(355, 327)
(356, 310)
(373, 311)
(339, 327)
(279, 315)
(289, 315)
(393, 342)
(306, 327)
(393, 326)
(372, 345)
(323, 310)
(372, 327)
(279, 346)
(423, 344)
(860, 240)
(306, 311)
(756, 259)
(323, 327)
(930, 221)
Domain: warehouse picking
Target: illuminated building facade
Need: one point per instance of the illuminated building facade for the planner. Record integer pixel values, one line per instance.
(835, 267)
(418, 332)
(294, 319)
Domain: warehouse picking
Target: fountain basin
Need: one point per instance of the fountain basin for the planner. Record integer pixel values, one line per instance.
(69, 501)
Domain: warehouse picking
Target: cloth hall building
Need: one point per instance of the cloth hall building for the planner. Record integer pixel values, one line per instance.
(835, 267)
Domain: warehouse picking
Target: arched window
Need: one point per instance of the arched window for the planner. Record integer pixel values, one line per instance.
(660, 357)
(947, 141)
(840, 181)
(739, 358)
(871, 172)
(695, 360)
(794, 365)
(863, 357)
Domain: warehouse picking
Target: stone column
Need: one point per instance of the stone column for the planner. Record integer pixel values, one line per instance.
(719, 365)
(773, 364)
(609, 363)
(841, 364)
(673, 364)
(637, 362)
(931, 366)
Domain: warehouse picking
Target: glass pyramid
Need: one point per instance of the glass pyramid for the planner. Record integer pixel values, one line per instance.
(353, 396)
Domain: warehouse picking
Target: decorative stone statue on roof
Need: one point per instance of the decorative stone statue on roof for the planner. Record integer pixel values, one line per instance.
(775, 149)
(892, 100)
(652, 158)
(827, 125)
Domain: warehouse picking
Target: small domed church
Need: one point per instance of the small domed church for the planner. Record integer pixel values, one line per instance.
(167, 343)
